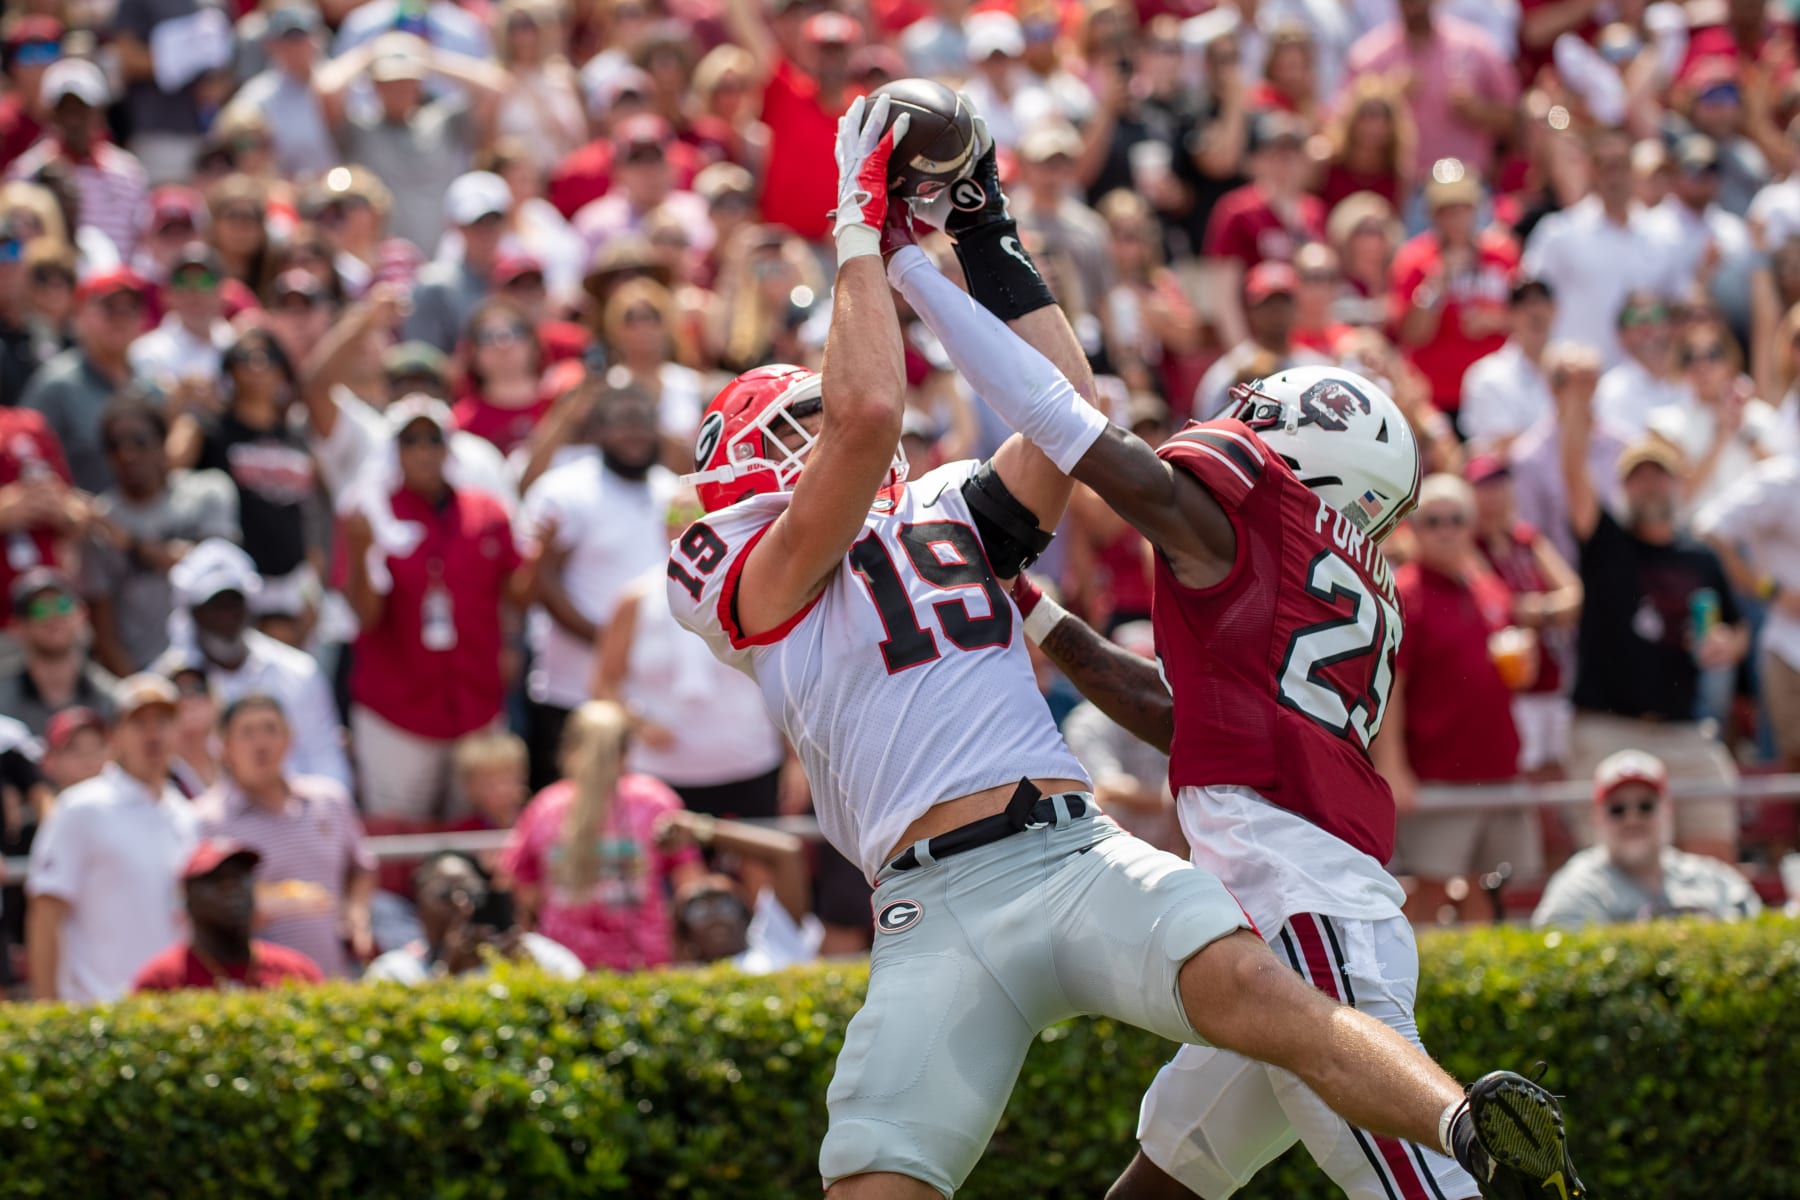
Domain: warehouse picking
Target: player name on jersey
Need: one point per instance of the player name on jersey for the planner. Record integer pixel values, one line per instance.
(1356, 546)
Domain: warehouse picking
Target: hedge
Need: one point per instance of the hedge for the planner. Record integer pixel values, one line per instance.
(1678, 1044)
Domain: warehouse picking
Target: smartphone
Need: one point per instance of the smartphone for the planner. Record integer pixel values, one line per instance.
(496, 911)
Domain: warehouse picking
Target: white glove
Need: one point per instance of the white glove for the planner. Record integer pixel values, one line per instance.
(863, 147)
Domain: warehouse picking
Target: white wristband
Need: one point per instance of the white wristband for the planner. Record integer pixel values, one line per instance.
(1044, 617)
(857, 241)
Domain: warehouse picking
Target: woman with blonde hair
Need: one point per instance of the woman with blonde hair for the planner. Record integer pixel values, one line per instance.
(1369, 145)
(542, 108)
(724, 92)
(585, 861)
(642, 334)
(762, 279)
(1290, 73)
(1153, 331)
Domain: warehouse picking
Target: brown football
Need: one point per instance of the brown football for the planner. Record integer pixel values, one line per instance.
(939, 139)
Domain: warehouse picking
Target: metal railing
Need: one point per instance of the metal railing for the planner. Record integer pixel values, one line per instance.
(1432, 798)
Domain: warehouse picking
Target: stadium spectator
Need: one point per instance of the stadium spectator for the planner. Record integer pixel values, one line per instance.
(1153, 333)
(463, 926)
(210, 631)
(1753, 529)
(38, 509)
(431, 571)
(284, 96)
(1536, 456)
(493, 770)
(543, 107)
(194, 767)
(1597, 252)
(1632, 872)
(1546, 599)
(640, 330)
(314, 869)
(643, 182)
(350, 208)
(143, 525)
(46, 304)
(220, 954)
(29, 44)
(174, 58)
(20, 351)
(502, 400)
(74, 750)
(253, 442)
(715, 917)
(51, 626)
(1048, 204)
(1268, 218)
(238, 227)
(534, 231)
(73, 387)
(448, 292)
(184, 351)
(1505, 393)
(1269, 311)
(697, 725)
(104, 867)
(1707, 246)
(1449, 717)
(584, 859)
(1369, 144)
(1365, 233)
(1449, 291)
(1647, 377)
(598, 519)
(1723, 430)
(1656, 611)
(109, 181)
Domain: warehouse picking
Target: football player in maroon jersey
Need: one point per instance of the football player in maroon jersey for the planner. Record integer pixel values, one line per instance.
(1276, 629)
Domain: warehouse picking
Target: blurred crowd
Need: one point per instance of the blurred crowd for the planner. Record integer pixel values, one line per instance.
(350, 355)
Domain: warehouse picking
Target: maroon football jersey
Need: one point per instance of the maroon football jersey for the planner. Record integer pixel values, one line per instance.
(1281, 672)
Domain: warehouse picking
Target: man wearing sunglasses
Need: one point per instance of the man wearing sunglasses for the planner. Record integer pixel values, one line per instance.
(1632, 872)
(51, 625)
(1647, 378)
(183, 352)
(29, 43)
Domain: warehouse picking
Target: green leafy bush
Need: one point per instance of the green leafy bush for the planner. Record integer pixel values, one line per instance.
(1679, 1046)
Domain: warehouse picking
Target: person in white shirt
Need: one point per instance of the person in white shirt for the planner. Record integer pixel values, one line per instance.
(105, 869)
(1646, 379)
(1725, 431)
(187, 347)
(464, 921)
(1703, 243)
(1597, 252)
(210, 630)
(1505, 393)
(1752, 526)
(1774, 214)
(599, 520)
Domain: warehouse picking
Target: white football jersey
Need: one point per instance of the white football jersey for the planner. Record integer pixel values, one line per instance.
(905, 684)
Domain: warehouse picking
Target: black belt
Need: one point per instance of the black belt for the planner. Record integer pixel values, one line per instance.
(1027, 809)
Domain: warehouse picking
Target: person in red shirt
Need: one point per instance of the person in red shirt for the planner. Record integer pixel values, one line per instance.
(431, 568)
(807, 86)
(30, 43)
(221, 955)
(1447, 299)
(1450, 716)
(1268, 219)
(38, 508)
(1321, 286)
(501, 399)
(585, 175)
(1371, 139)
(520, 278)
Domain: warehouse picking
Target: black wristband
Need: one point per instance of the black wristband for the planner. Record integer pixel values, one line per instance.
(1001, 275)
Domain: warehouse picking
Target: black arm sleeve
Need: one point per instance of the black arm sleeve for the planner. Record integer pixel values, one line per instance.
(1009, 531)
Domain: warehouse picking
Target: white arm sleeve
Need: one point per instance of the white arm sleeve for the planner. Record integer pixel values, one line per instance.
(1021, 385)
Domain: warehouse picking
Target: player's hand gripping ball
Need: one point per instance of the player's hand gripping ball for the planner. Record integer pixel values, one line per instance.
(938, 143)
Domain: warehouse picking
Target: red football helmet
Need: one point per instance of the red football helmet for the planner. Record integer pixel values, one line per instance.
(739, 451)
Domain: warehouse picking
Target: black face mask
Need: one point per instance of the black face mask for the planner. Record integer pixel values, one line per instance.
(628, 468)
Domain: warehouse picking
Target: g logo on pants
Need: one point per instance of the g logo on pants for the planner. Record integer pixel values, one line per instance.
(899, 915)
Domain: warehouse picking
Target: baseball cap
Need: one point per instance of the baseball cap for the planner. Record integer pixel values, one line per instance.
(398, 59)
(213, 853)
(102, 284)
(475, 195)
(1484, 467)
(135, 693)
(718, 180)
(173, 204)
(35, 582)
(70, 721)
(415, 358)
(1697, 154)
(511, 267)
(605, 89)
(1653, 452)
(418, 407)
(1273, 128)
(197, 254)
(989, 33)
(1270, 279)
(213, 567)
(75, 77)
(1050, 141)
(296, 281)
(641, 130)
(1629, 766)
(291, 20)
(1451, 183)
(831, 28)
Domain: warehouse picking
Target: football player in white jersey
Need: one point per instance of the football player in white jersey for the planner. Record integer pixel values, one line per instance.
(872, 614)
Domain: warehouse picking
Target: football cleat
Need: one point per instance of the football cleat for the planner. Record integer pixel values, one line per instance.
(1521, 1151)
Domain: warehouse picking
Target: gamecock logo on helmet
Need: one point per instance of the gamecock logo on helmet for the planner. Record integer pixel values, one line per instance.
(1330, 403)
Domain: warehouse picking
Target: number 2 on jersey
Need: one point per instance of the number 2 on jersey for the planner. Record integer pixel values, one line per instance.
(1372, 627)
(908, 643)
